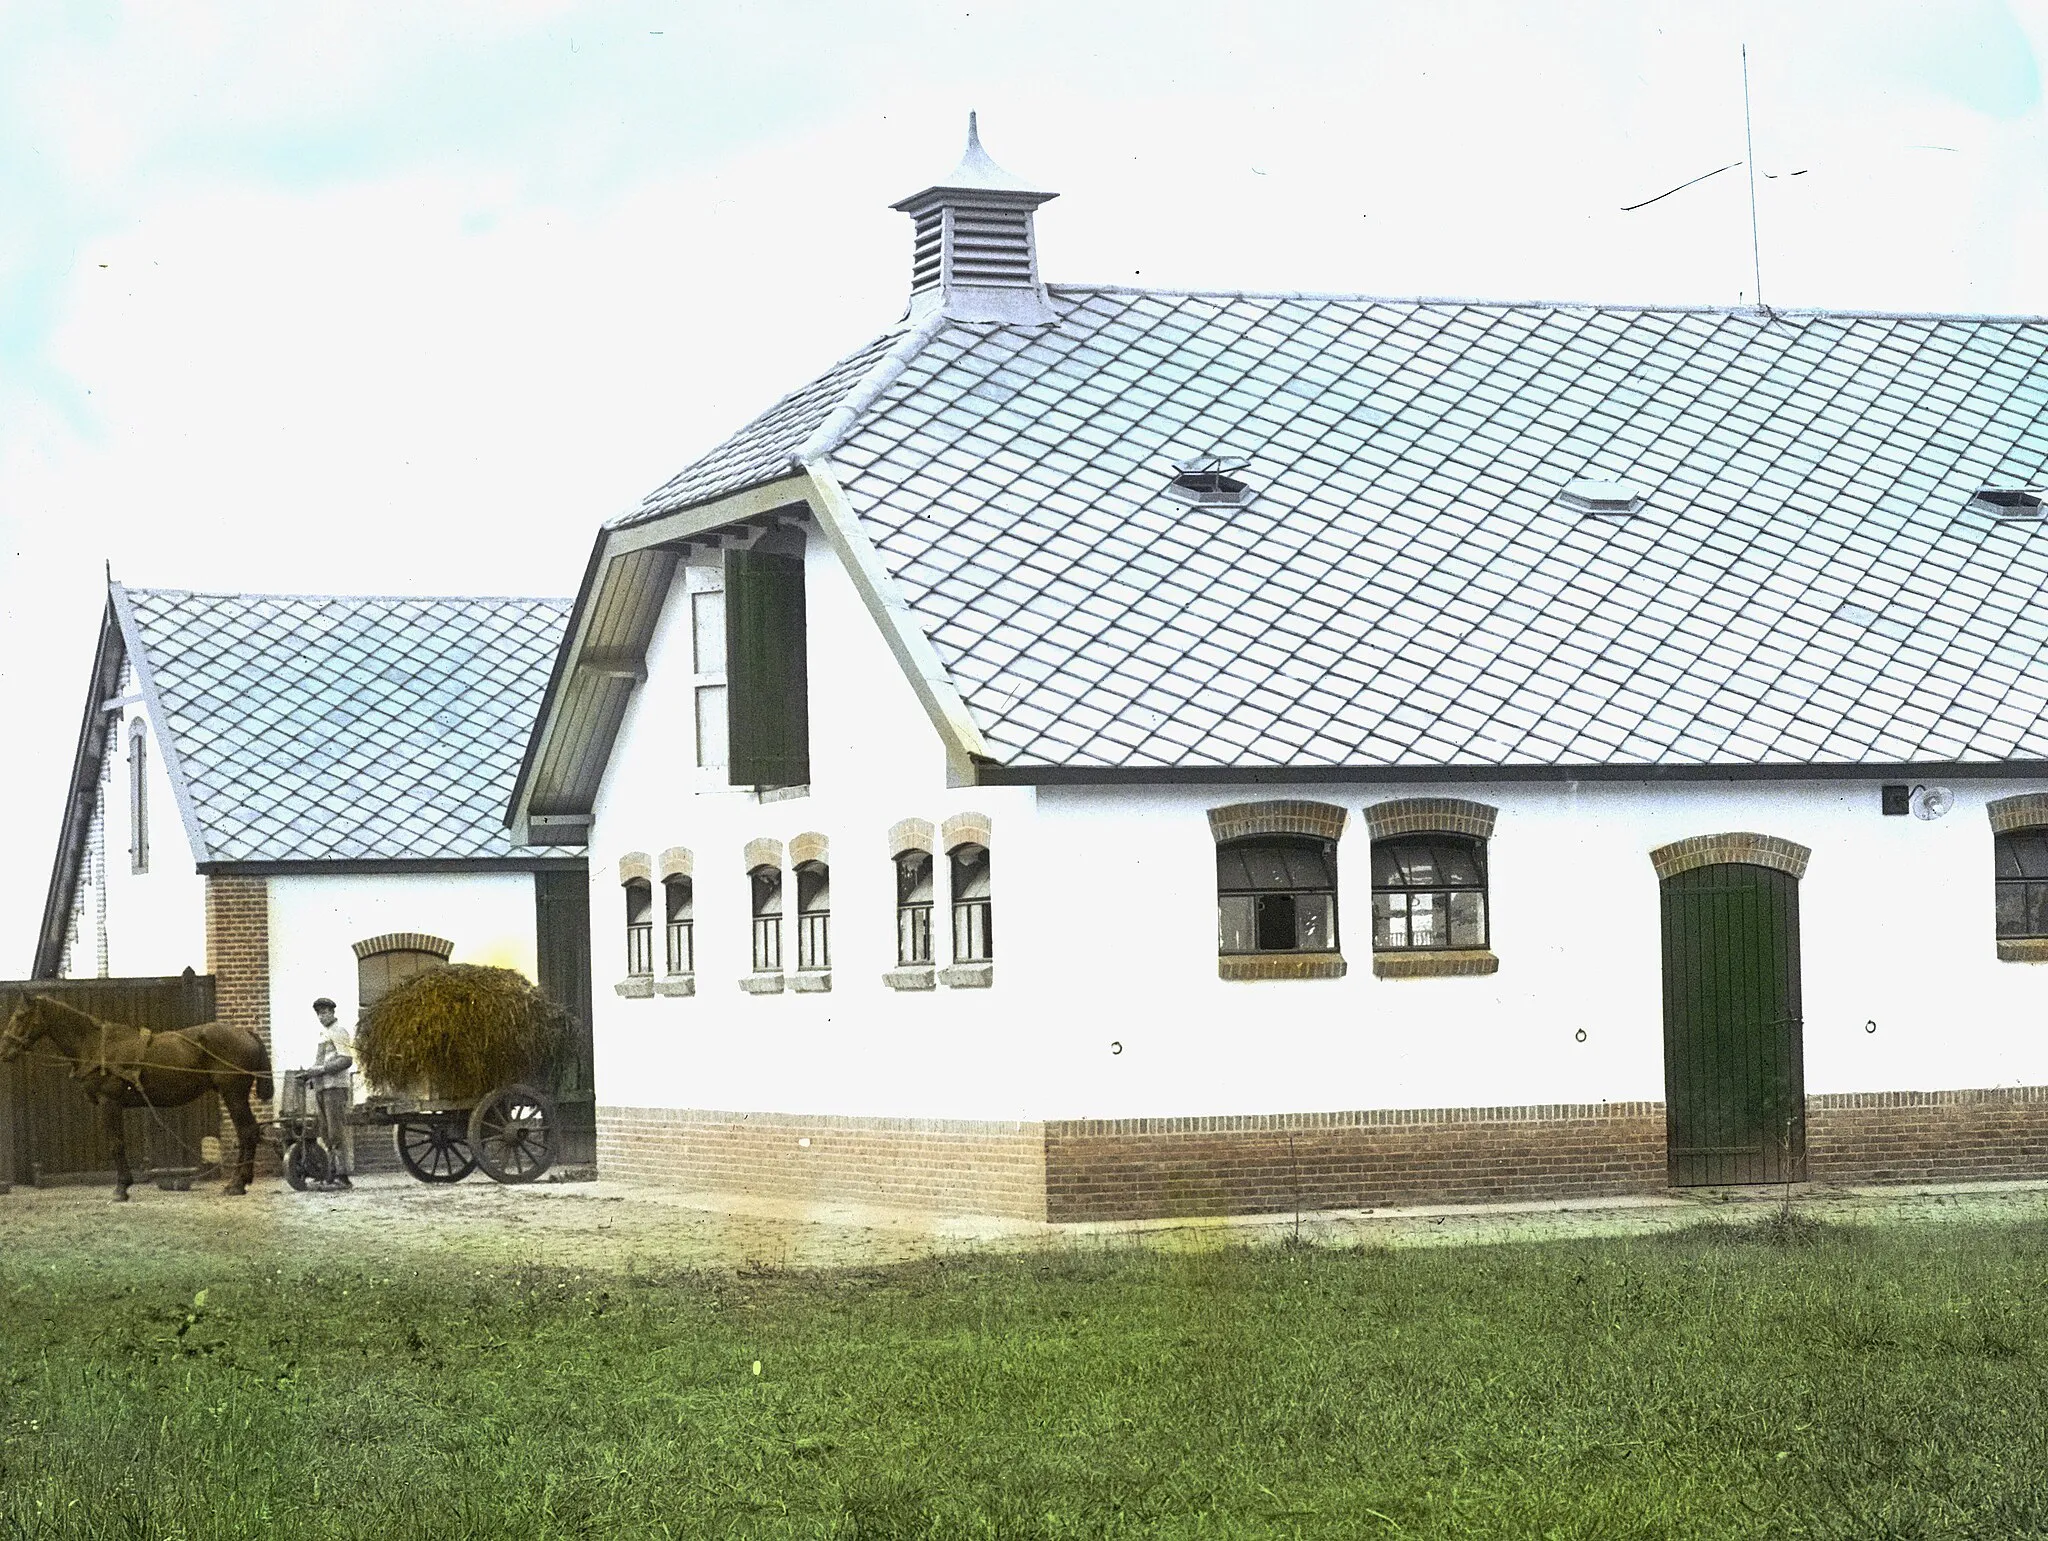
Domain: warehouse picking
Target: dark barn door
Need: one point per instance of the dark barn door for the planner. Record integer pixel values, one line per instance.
(1734, 1066)
(561, 906)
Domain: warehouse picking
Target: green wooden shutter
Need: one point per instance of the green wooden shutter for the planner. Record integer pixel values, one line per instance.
(767, 680)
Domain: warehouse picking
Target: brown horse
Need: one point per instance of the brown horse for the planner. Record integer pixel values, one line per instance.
(124, 1067)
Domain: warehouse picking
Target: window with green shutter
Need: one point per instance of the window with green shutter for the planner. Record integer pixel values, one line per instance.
(768, 687)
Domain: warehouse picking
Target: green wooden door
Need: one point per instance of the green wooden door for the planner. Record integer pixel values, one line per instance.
(1734, 1067)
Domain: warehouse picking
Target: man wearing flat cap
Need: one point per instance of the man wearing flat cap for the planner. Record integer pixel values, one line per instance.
(334, 1084)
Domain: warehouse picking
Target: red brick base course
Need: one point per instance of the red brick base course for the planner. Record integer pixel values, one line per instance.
(1161, 1168)
(953, 1166)
(1152, 1168)
(1954, 1136)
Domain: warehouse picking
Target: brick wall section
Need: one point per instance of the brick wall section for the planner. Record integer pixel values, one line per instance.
(945, 1165)
(1281, 816)
(909, 835)
(1738, 846)
(1141, 1169)
(1953, 1136)
(238, 950)
(2027, 811)
(1430, 816)
(238, 957)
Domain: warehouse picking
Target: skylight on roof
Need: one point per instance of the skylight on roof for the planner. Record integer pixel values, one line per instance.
(1210, 480)
(2011, 502)
(1611, 500)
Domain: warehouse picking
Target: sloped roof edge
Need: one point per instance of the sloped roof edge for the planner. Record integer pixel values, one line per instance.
(109, 656)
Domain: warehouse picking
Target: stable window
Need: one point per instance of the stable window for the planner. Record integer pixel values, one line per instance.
(913, 908)
(1428, 893)
(973, 917)
(2022, 865)
(813, 915)
(679, 899)
(639, 927)
(767, 886)
(138, 796)
(1276, 893)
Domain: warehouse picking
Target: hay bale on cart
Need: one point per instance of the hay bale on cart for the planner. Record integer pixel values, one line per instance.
(459, 1055)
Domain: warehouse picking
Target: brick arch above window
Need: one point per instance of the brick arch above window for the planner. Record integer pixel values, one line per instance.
(809, 846)
(1746, 847)
(1281, 816)
(404, 941)
(1430, 816)
(634, 864)
(763, 853)
(2027, 811)
(965, 829)
(910, 835)
(677, 862)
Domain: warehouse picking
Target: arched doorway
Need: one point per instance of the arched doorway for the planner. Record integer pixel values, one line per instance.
(1734, 1055)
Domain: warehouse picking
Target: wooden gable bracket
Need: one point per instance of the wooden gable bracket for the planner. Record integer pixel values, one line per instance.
(614, 663)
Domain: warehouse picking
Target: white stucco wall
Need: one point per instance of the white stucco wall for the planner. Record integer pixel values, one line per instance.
(1896, 922)
(875, 759)
(156, 920)
(1107, 1002)
(315, 922)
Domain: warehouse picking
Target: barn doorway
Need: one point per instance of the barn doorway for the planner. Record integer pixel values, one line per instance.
(1734, 1058)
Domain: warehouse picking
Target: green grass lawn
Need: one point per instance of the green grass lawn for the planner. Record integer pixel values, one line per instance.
(1866, 1382)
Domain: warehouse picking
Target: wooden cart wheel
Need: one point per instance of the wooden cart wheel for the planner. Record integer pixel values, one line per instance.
(433, 1150)
(305, 1163)
(512, 1133)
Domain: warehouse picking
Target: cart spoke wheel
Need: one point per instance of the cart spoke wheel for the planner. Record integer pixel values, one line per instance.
(512, 1133)
(433, 1151)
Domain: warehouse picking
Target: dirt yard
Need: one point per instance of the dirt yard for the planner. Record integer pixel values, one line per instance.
(616, 1225)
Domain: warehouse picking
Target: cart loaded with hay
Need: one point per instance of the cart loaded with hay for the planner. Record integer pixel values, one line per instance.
(457, 1058)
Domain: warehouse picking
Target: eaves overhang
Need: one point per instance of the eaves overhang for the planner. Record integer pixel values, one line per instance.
(995, 775)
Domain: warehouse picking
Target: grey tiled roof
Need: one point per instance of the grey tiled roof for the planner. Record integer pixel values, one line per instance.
(765, 448)
(319, 728)
(1806, 583)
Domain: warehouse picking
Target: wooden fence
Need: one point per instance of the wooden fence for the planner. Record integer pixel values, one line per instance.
(49, 1130)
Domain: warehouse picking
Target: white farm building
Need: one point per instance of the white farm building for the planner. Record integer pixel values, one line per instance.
(1103, 752)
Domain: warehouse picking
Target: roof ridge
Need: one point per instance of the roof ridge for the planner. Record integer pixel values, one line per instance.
(885, 372)
(1470, 301)
(424, 599)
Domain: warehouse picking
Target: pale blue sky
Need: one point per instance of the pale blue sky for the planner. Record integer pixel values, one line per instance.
(327, 298)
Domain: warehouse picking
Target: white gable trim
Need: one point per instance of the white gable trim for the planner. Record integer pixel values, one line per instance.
(936, 692)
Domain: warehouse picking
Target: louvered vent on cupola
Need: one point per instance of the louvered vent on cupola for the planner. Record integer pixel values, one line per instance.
(973, 247)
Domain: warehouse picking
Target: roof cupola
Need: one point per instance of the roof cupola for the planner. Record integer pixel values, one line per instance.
(974, 253)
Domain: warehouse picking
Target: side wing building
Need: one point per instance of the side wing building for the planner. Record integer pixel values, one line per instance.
(304, 795)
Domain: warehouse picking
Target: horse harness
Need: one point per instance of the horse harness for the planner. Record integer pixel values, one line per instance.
(127, 1072)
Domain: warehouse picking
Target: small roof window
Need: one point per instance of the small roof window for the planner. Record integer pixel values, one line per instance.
(1612, 500)
(2011, 502)
(1210, 480)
